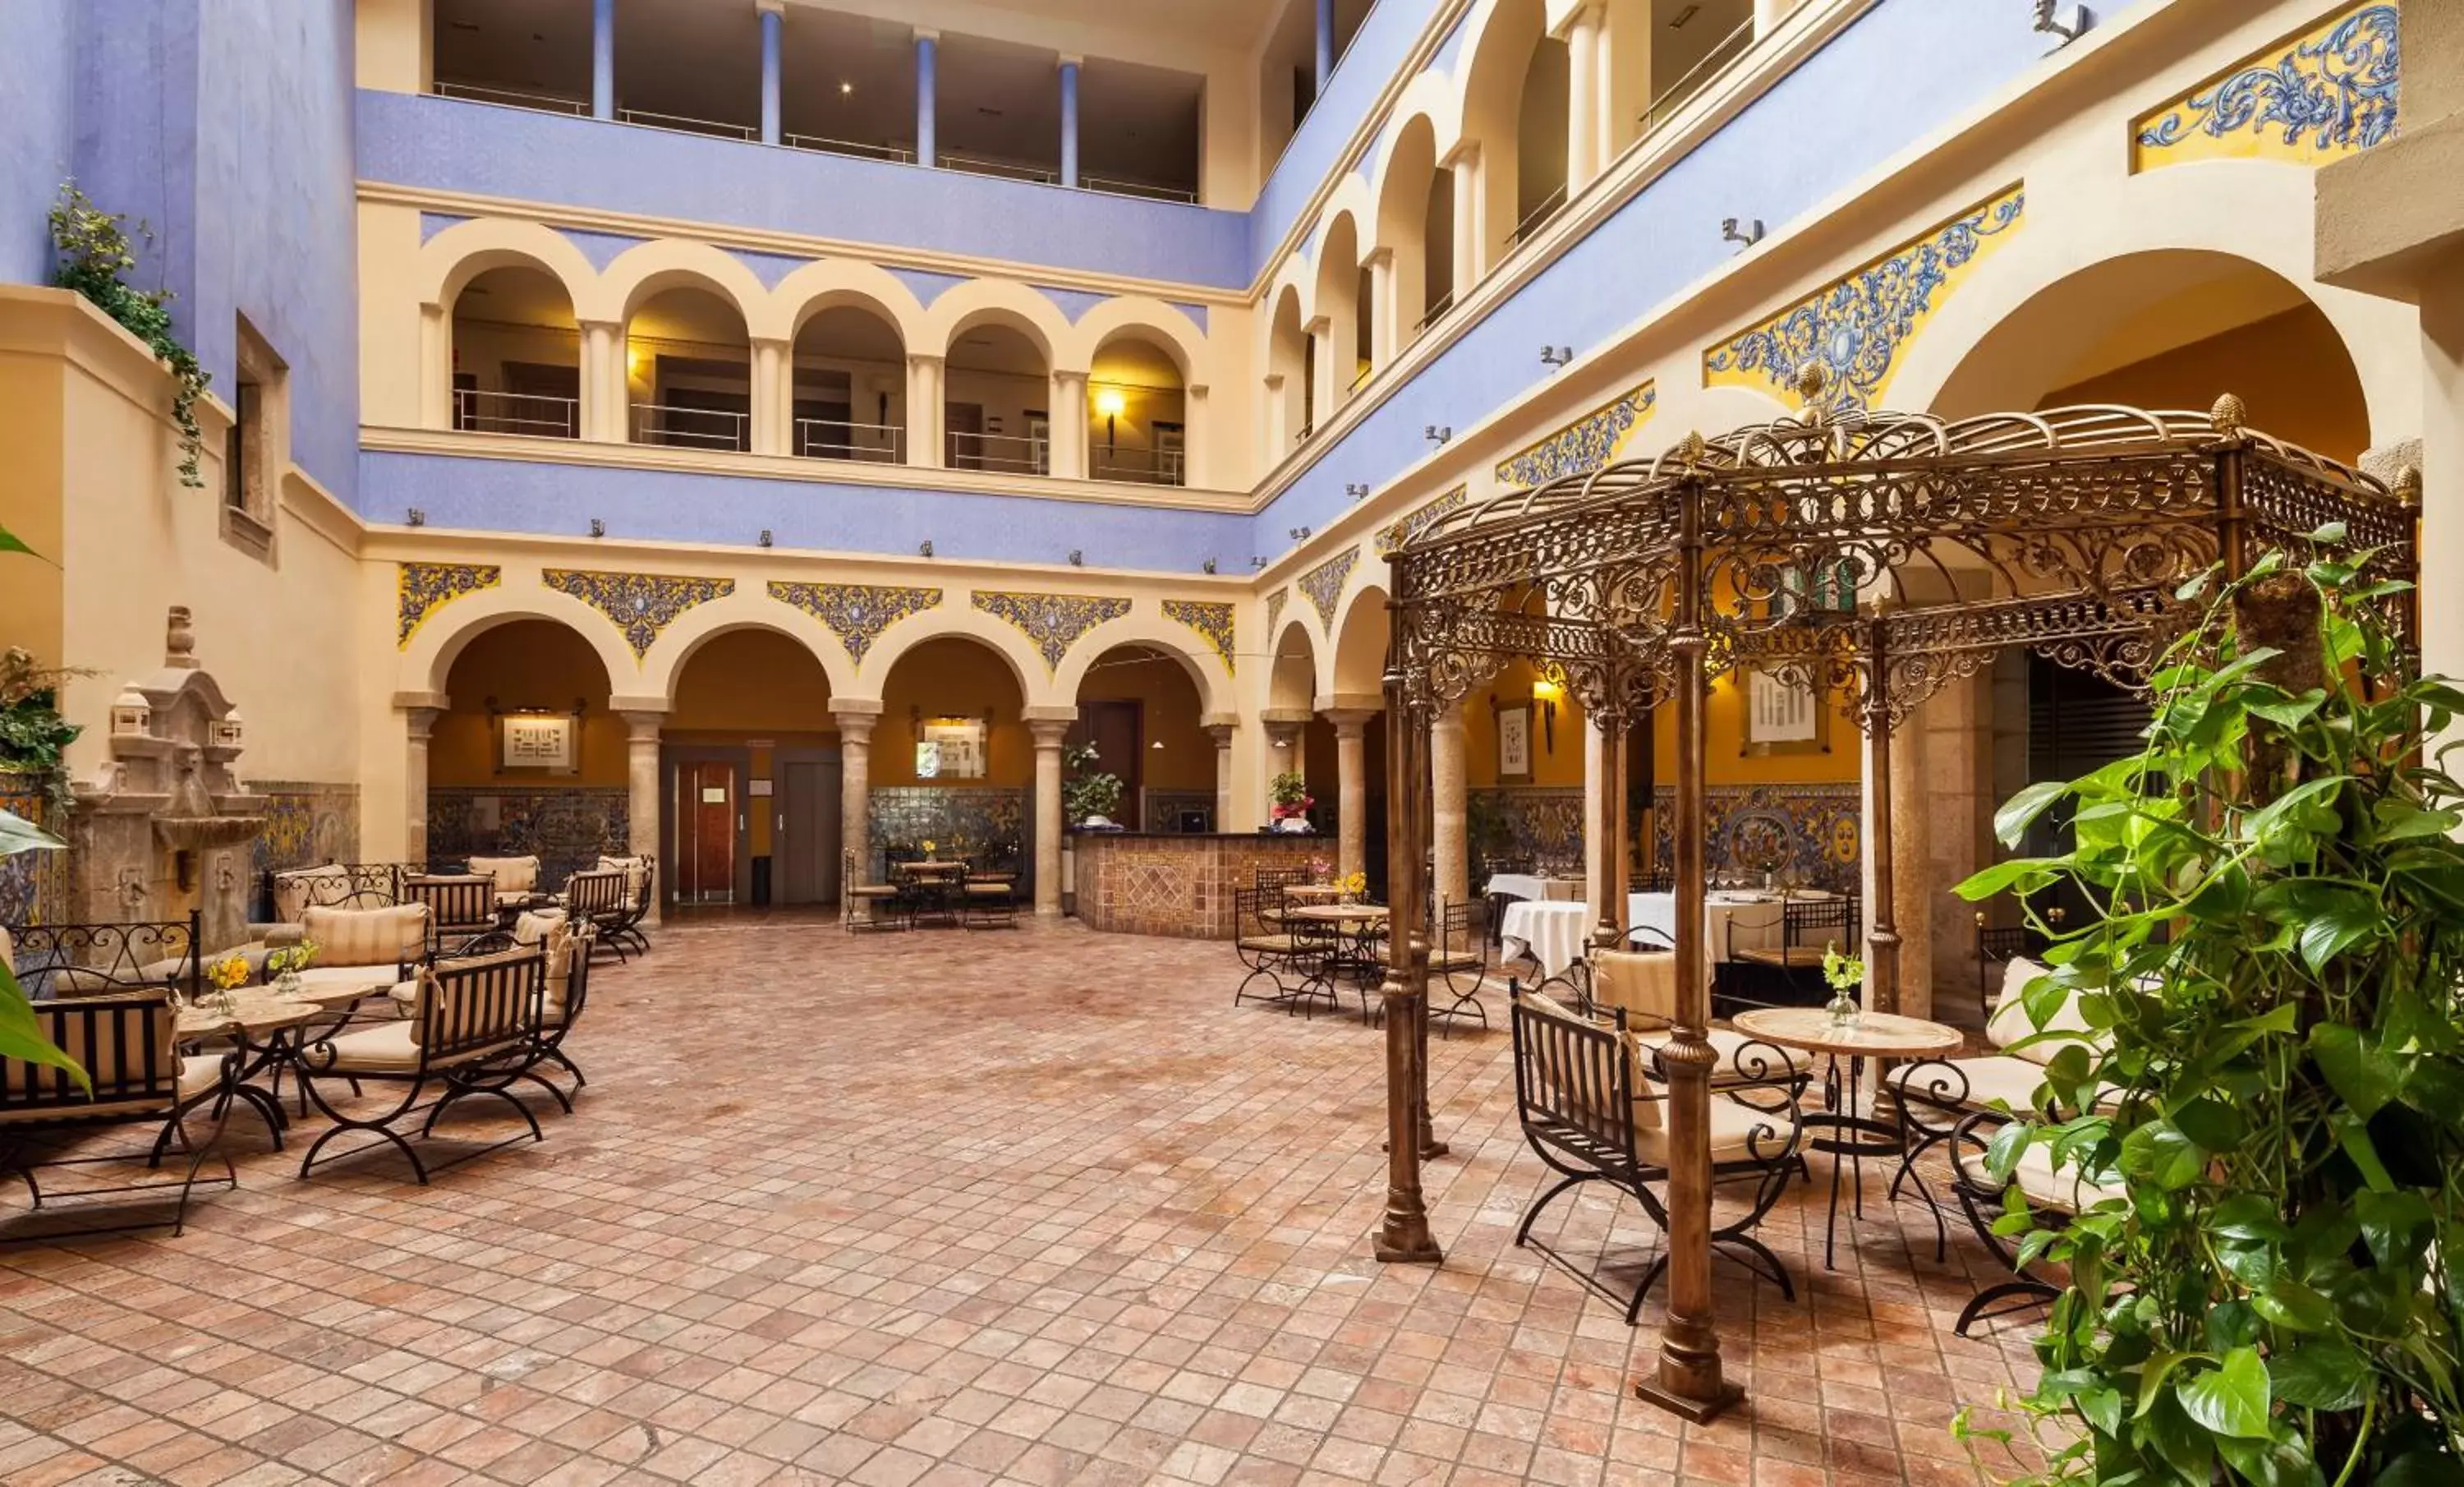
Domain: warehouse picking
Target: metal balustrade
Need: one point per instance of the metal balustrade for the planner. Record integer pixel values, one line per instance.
(1010, 454)
(1007, 170)
(829, 438)
(1138, 466)
(1727, 49)
(535, 415)
(695, 428)
(1112, 186)
(1523, 231)
(510, 97)
(823, 144)
(680, 123)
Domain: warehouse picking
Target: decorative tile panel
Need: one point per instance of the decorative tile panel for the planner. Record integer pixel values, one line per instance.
(1856, 328)
(1055, 622)
(983, 823)
(855, 613)
(1807, 833)
(1182, 887)
(422, 589)
(1324, 584)
(1214, 621)
(33, 885)
(2321, 96)
(1582, 446)
(306, 824)
(1395, 534)
(1275, 603)
(566, 829)
(641, 604)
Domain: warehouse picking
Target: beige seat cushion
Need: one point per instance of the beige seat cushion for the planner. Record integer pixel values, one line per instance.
(199, 1075)
(1739, 1133)
(333, 985)
(379, 1048)
(1762, 1061)
(2009, 1022)
(368, 937)
(636, 870)
(1270, 944)
(2066, 1190)
(872, 890)
(512, 875)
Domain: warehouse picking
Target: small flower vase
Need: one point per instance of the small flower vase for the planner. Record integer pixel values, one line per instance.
(1843, 1008)
(287, 984)
(226, 1001)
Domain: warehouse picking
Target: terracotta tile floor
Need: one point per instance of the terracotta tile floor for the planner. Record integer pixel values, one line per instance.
(951, 1208)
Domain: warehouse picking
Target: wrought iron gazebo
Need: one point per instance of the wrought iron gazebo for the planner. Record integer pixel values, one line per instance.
(1870, 555)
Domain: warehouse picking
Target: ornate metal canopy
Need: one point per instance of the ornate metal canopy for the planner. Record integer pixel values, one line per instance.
(2069, 532)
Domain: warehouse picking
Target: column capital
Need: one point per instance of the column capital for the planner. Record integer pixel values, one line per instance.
(644, 723)
(1218, 719)
(1196, 391)
(1285, 717)
(1318, 327)
(1382, 256)
(1069, 374)
(855, 717)
(422, 701)
(1221, 732)
(1274, 382)
(606, 325)
(1329, 703)
(1464, 154)
(857, 706)
(772, 344)
(924, 359)
(1050, 733)
(770, 7)
(1580, 16)
(1349, 723)
(1067, 59)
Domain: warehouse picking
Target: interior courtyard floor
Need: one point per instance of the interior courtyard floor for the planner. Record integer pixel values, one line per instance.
(1036, 1205)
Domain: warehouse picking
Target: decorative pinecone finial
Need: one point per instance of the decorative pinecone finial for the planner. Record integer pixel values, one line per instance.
(2229, 415)
(1691, 449)
(2408, 487)
(1811, 380)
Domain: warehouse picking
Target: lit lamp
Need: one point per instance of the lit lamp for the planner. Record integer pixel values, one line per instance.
(1109, 402)
(1545, 693)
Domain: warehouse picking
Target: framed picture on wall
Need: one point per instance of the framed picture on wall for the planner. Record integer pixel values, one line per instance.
(1514, 743)
(1782, 716)
(538, 742)
(950, 748)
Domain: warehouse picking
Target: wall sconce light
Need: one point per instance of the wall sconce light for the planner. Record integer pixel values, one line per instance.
(598, 528)
(1109, 402)
(1207, 567)
(924, 548)
(415, 516)
(1077, 558)
(1545, 693)
(1356, 491)
(766, 537)
(2069, 22)
(1256, 564)
(1556, 356)
(1298, 534)
(1157, 743)
(1748, 231)
(1437, 435)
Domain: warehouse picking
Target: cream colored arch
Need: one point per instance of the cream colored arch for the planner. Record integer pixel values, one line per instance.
(2256, 210)
(996, 302)
(749, 608)
(428, 661)
(829, 283)
(1292, 665)
(1152, 631)
(653, 268)
(1434, 96)
(1386, 191)
(1356, 663)
(956, 617)
(450, 259)
(1171, 331)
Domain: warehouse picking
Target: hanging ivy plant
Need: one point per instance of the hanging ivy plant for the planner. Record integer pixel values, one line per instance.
(2274, 1294)
(93, 252)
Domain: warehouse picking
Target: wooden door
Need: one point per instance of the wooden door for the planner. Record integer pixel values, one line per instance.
(806, 847)
(963, 426)
(707, 800)
(1117, 728)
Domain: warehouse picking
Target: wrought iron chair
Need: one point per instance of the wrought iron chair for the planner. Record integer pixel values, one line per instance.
(875, 897)
(1789, 973)
(290, 892)
(1459, 962)
(127, 1043)
(459, 905)
(565, 989)
(988, 900)
(597, 899)
(59, 961)
(1641, 985)
(2054, 1196)
(473, 1030)
(1289, 955)
(1591, 1115)
(641, 894)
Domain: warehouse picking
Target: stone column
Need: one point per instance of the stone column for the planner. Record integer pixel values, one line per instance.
(1069, 120)
(1220, 726)
(1472, 247)
(603, 382)
(1197, 459)
(1050, 725)
(603, 58)
(773, 414)
(1279, 430)
(1583, 100)
(855, 717)
(436, 367)
(642, 796)
(1329, 391)
(420, 711)
(770, 18)
(1068, 453)
(927, 78)
(1595, 771)
(1383, 309)
(924, 410)
(1284, 751)
(1449, 793)
(1352, 786)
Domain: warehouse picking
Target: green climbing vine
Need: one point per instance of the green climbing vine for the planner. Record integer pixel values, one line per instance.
(93, 252)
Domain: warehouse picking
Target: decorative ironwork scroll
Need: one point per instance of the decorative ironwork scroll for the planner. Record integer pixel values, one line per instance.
(2326, 94)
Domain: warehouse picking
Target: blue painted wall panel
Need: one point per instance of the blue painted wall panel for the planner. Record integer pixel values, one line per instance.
(37, 97)
(1377, 54)
(448, 143)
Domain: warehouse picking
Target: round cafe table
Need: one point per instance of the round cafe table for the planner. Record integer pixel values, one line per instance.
(1358, 924)
(1852, 1133)
(263, 1033)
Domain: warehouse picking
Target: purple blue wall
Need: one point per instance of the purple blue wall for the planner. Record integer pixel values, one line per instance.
(37, 40)
(1386, 37)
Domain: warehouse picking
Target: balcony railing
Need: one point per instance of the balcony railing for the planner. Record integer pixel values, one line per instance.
(1010, 454)
(1360, 377)
(1005, 169)
(1727, 49)
(532, 414)
(875, 443)
(695, 428)
(680, 123)
(1538, 217)
(1138, 466)
(510, 97)
(1438, 309)
(898, 154)
(1112, 186)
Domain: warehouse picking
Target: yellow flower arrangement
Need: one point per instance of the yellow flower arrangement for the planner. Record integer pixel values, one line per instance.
(1355, 885)
(230, 973)
(929, 845)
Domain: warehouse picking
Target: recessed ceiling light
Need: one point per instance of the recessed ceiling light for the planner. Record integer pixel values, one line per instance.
(845, 88)
(1682, 16)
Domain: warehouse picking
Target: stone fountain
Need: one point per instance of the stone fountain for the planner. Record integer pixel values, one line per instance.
(165, 826)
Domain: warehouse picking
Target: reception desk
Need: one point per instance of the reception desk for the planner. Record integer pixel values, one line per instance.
(1176, 884)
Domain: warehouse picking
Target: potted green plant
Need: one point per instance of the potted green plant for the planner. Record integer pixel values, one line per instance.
(21, 1036)
(1089, 795)
(2277, 1087)
(1290, 801)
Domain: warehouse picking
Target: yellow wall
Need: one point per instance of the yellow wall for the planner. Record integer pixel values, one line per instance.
(528, 664)
(1170, 707)
(1560, 764)
(2291, 371)
(958, 678)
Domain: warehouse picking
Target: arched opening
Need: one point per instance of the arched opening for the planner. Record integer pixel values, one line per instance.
(1141, 710)
(1417, 236)
(851, 387)
(1137, 412)
(1339, 298)
(952, 761)
(1359, 672)
(1540, 131)
(1292, 701)
(1494, 84)
(997, 403)
(516, 362)
(749, 775)
(1287, 376)
(527, 760)
(689, 370)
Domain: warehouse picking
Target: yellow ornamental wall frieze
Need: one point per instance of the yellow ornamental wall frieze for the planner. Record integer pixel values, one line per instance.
(2325, 93)
(1055, 622)
(1210, 619)
(1582, 446)
(640, 603)
(857, 613)
(1324, 585)
(1395, 534)
(422, 589)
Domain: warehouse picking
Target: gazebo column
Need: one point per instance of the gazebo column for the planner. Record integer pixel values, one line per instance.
(1882, 776)
(1352, 788)
(1050, 725)
(642, 723)
(1450, 806)
(1404, 1234)
(1604, 825)
(420, 711)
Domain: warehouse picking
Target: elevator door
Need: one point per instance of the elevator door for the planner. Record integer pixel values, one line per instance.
(807, 841)
(707, 803)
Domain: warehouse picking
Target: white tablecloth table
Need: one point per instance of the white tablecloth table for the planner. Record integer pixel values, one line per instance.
(1553, 933)
(1754, 918)
(1532, 885)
